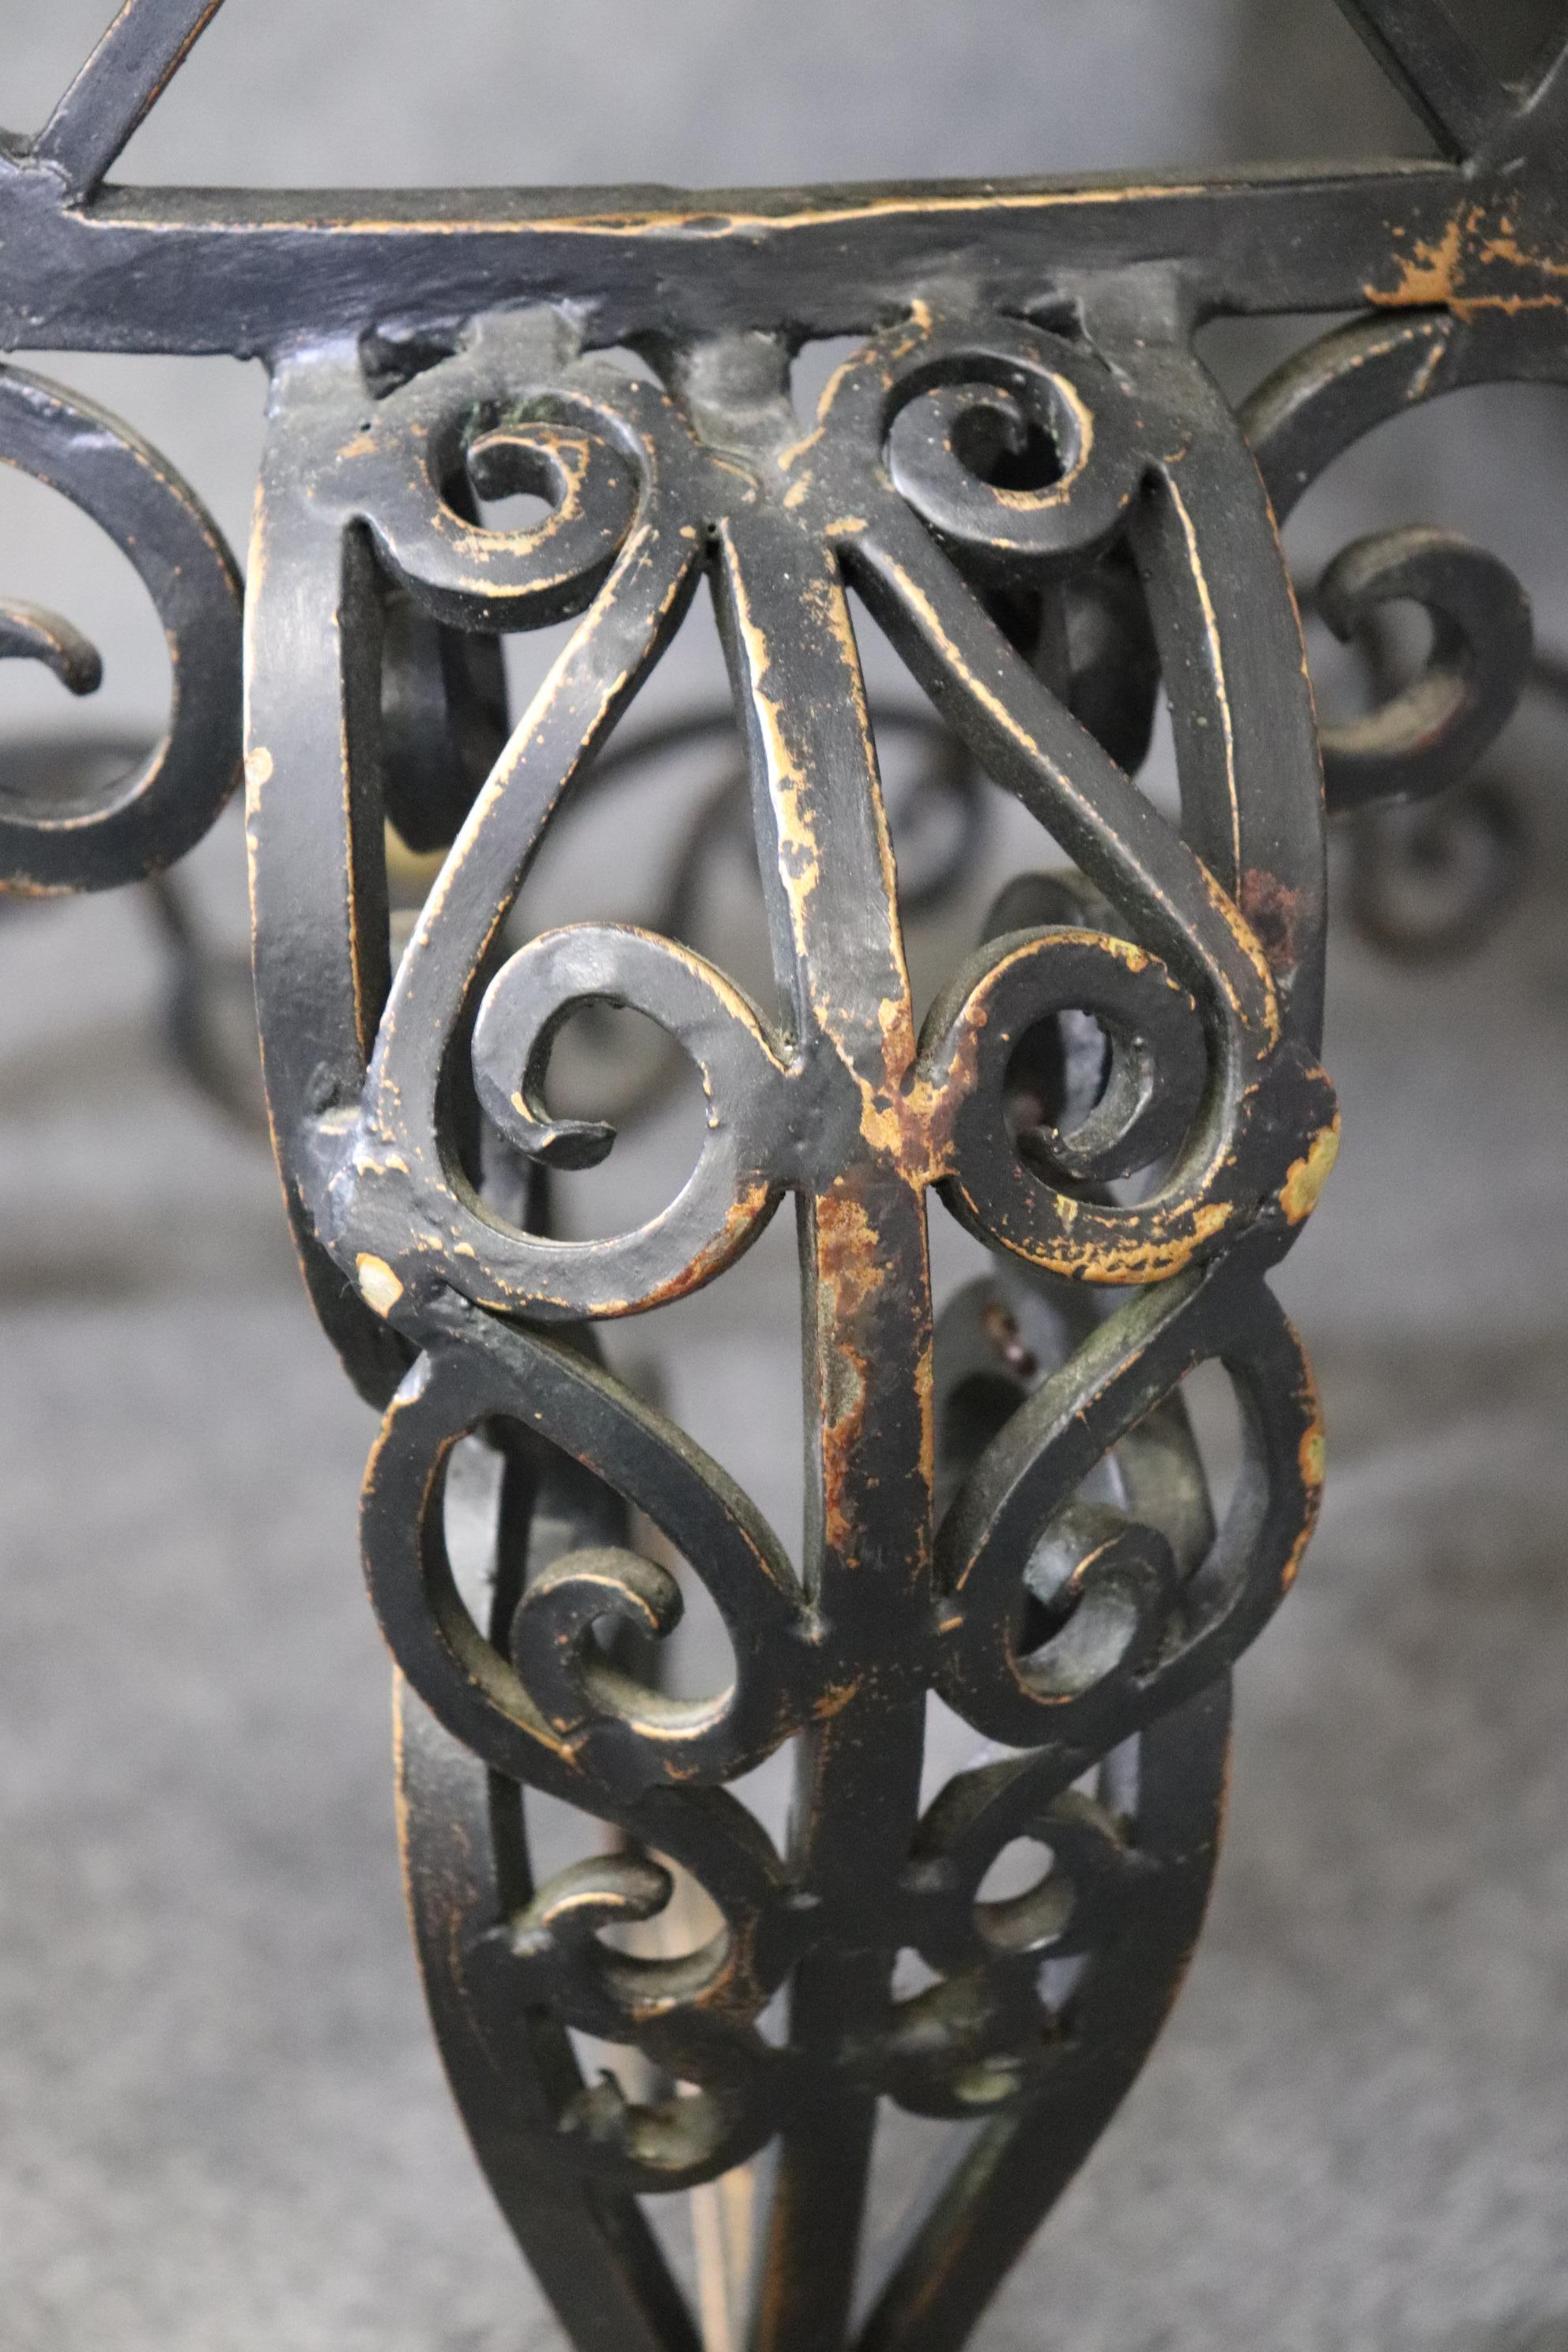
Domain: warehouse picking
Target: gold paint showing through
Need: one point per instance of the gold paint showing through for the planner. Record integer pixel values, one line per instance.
(1309, 1462)
(379, 1286)
(789, 787)
(1451, 271)
(1305, 1178)
(1311, 1456)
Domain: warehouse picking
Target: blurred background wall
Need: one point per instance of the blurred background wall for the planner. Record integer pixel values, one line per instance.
(221, 2125)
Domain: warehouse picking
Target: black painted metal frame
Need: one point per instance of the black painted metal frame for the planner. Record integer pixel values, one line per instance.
(1029, 480)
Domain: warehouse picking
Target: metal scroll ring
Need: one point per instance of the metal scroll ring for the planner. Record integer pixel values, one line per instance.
(1146, 1643)
(1157, 1065)
(1431, 734)
(541, 1717)
(1018, 450)
(463, 572)
(146, 819)
(736, 1182)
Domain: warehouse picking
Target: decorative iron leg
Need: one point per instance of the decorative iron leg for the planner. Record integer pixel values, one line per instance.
(1074, 1605)
(1030, 482)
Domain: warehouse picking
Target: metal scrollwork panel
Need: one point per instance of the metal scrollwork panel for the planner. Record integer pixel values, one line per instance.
(1065, 1590)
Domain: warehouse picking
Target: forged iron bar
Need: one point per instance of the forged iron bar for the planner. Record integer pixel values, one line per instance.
(1029, 480)
(117, 87)
(1430, 61)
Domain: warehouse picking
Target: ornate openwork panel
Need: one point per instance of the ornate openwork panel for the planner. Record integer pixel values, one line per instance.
(1027, 479)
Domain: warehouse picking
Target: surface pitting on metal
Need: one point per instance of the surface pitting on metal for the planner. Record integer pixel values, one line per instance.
(1030, 481)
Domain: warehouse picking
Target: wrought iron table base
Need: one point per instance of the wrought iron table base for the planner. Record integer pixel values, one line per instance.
(1027, 479)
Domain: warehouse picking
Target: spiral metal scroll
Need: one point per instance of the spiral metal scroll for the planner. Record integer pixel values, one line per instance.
(1438, 854)
(142, 819)
(998, 495)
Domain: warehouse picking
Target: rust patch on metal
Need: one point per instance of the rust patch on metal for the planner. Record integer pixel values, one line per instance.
(1273, 911)
(850, 1273)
